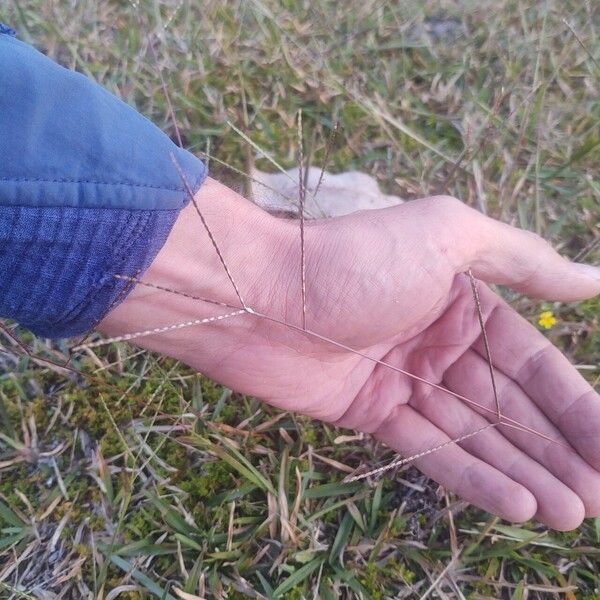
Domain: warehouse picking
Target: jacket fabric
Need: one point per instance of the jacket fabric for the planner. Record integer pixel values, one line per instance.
(89, 189)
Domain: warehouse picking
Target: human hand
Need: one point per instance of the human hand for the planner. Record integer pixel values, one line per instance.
(390, 285)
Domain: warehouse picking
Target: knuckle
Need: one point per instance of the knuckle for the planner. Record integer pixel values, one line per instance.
(534, 238)
(446, 205)
(444, 212)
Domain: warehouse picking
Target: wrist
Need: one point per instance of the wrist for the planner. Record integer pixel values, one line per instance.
(255, 247)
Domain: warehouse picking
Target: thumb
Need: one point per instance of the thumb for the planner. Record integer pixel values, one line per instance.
(522, 260)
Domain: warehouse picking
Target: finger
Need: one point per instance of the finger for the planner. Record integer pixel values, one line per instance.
(526, 356)
(458, 471)
(499, 253)
(557, 505)
(470, 376)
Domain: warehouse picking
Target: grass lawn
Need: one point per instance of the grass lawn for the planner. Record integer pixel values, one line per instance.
(141, 478)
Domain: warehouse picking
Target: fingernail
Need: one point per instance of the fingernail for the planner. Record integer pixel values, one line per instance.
(588, 270)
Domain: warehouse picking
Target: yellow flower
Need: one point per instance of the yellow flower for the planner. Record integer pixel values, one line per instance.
(547, 319)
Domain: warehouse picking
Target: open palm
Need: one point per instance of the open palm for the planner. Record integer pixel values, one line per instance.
(385, 293)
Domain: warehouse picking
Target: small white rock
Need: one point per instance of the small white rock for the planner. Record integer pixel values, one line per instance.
(338, 194)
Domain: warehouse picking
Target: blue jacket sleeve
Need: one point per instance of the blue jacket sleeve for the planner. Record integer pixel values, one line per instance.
(88, 190)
